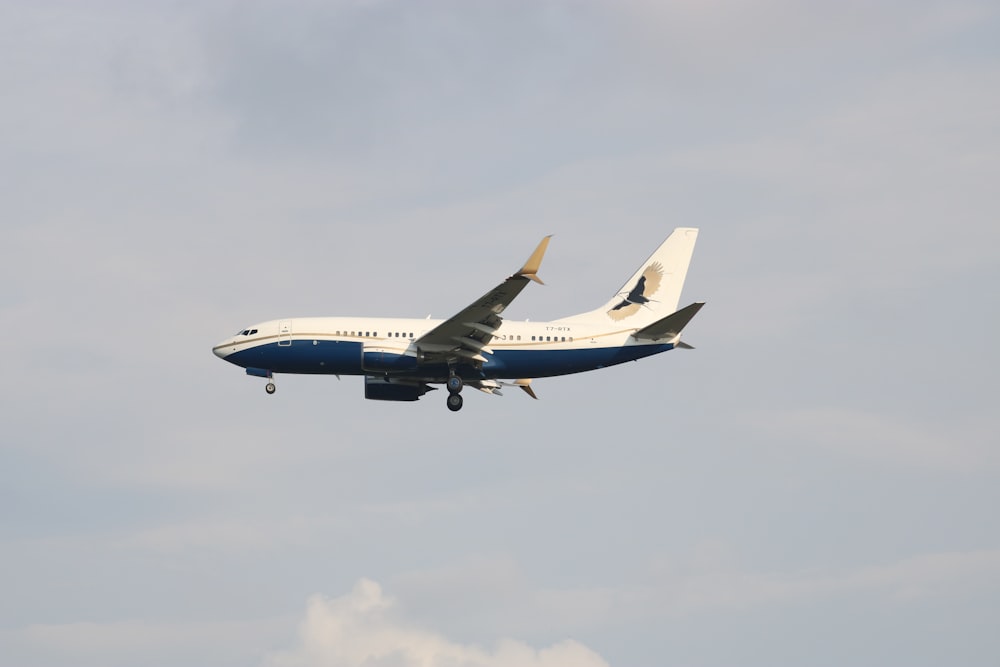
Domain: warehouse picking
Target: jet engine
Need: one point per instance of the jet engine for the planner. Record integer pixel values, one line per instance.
(388, 389)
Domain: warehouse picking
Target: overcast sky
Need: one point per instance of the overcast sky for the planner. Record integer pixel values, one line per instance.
(816, 484)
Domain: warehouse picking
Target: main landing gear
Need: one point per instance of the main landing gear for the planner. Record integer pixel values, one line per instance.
(454, 385)
(270, 388)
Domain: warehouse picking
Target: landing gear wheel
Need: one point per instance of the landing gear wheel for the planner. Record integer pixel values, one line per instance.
(270, 388)
(455, 402)
(454, 384)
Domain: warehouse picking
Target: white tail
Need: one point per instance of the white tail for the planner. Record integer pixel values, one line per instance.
(654, 290)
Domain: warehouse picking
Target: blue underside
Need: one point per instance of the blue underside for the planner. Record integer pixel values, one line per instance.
(344, 358)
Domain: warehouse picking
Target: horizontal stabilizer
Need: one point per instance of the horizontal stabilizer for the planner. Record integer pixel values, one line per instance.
(671, 325)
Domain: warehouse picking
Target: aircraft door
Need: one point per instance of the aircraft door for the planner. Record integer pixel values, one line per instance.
(285, 333)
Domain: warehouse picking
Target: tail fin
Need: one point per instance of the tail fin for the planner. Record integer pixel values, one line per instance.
(654, 291)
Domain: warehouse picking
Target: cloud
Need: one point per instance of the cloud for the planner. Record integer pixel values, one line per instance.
(687, 590)
(364, 627)
(958, 446)
(142, 642)
(178, 172)
(933, 576)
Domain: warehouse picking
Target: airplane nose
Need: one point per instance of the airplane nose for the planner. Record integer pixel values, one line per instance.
(222, 349)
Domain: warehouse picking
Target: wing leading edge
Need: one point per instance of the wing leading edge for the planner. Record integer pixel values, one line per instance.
(465, 337)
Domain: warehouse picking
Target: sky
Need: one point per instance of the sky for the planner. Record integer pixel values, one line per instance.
(815, 484)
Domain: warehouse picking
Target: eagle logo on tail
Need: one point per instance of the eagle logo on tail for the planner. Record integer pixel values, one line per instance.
(638, 296)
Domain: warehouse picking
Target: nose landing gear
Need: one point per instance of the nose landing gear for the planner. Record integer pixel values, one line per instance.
(266, 374)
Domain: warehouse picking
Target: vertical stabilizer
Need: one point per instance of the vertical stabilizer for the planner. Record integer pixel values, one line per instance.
(654, 290)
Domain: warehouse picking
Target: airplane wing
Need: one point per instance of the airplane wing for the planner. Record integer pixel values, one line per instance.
(466, 336)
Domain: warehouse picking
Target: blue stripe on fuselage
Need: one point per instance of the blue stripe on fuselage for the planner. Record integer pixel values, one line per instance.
(543, 363)
(330, 357)
(344, 358)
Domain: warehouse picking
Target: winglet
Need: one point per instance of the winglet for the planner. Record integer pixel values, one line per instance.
(530, 268)
(525, 384)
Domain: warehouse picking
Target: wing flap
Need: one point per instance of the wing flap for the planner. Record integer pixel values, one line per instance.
(472, 343)
(479, 326)
(469, 354)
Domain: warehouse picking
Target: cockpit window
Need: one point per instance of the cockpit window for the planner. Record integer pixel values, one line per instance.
(253, 331)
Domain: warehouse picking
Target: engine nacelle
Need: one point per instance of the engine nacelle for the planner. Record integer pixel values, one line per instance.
(385, 360)
(386, 389)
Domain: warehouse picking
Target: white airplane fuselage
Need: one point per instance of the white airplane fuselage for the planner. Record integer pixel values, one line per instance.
(367, 345)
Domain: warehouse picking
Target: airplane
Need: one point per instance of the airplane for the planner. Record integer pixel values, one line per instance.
(400, 358)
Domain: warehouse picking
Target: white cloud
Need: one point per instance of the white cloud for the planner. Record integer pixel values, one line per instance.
(368, 628)
(365, 628)
(703, 585)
